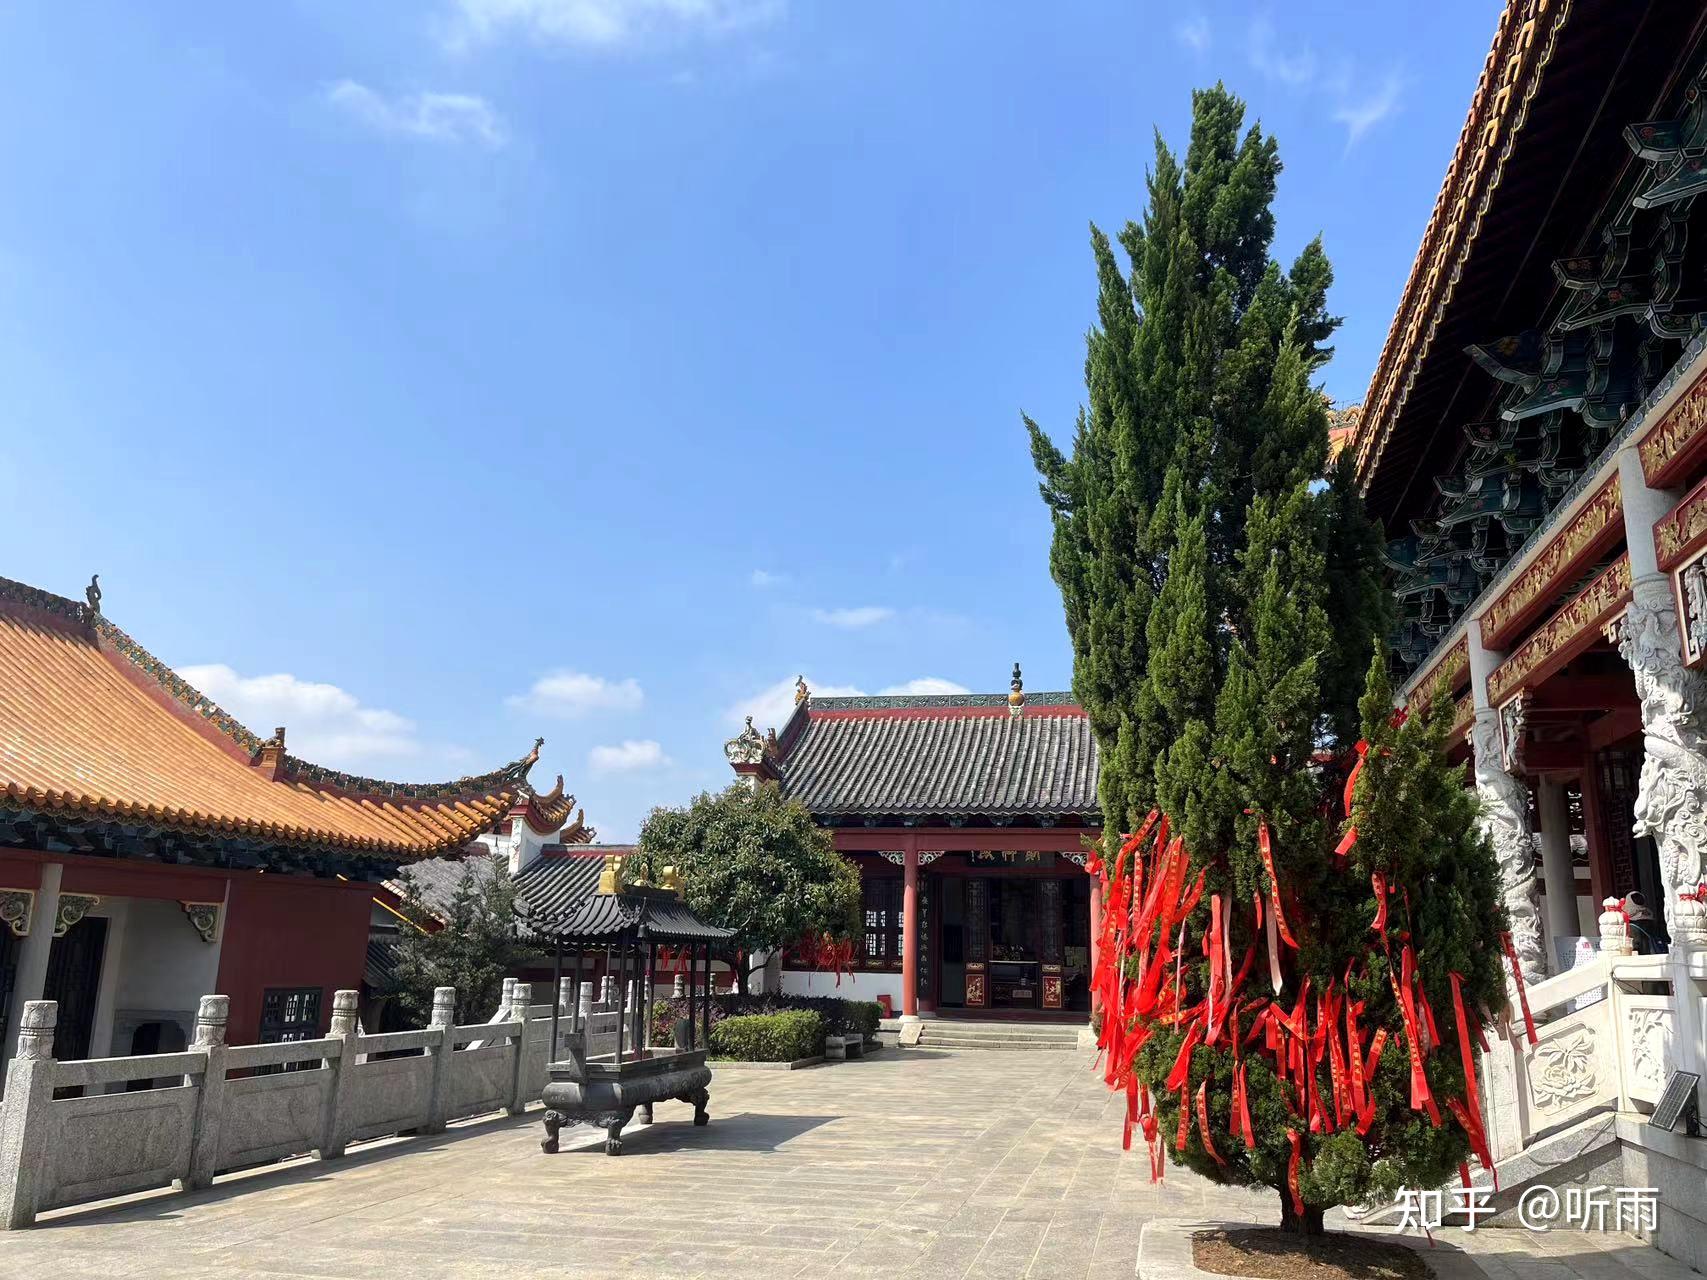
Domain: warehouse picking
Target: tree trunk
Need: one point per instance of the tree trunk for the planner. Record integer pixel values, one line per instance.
(1309, 1223)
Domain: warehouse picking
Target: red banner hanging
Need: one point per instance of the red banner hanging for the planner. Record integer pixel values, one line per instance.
(1517, 977)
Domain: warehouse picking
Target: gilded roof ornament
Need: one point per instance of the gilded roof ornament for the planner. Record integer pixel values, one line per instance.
(746, 747)
(1016, 695)
(801, 692)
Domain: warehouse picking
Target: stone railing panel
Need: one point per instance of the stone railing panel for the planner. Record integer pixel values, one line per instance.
(109, 1144)
(389, 1096)
(215, 1107)
(1569, 1072)
(481, 1081)
(272, 1117)
(1649, 1034)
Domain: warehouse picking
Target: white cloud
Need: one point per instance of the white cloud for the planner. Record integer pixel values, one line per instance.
(326, 724)
(762, 578)
(1297, 68)
(432, 117)
(574, 693)
(603, 24)
(629, 756)
(1361, 115)
(924, 684)
(771, 706)
(1193, 33)
(863, 616)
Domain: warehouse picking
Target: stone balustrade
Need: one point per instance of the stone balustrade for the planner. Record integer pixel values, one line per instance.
(141, 1123)
(1607, 1039)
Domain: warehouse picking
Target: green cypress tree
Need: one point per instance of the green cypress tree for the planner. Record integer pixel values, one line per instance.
(1183, 426)
(1222, 592)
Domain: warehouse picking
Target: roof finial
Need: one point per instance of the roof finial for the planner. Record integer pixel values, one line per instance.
(801, 692)
(92, 593)
(1016, 698)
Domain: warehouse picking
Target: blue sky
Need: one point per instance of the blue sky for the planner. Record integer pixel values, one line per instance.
(430, 377)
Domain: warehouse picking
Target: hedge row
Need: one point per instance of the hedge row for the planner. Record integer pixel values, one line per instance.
(769, 1037)
(841, 1017)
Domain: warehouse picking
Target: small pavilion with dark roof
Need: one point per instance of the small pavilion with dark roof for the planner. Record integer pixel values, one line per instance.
(967, 816)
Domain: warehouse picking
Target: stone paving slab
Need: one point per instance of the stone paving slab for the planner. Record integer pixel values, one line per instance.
(912, 1163)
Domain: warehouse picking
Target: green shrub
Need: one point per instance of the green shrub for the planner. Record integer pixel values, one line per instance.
(769, 1037)
(865, 1016)
(841, 1017)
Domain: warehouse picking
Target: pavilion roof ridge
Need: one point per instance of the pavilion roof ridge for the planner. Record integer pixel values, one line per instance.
(945, 701)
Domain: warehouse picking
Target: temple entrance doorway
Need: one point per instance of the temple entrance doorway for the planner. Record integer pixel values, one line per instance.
(1014, 944)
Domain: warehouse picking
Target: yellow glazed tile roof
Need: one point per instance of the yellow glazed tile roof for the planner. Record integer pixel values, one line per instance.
(91, 724)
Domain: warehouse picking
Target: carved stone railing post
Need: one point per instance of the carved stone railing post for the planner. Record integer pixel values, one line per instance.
(24, 1113)
(520, 1009)
(1614, 930)
(346, 1027)
(438, 1091)
(213, 1015)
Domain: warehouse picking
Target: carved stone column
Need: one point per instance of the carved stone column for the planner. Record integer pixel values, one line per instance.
(1671, 797)
(1505, 811)
(1505, 819)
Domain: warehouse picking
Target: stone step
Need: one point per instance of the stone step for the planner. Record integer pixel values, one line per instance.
(1010, 1046)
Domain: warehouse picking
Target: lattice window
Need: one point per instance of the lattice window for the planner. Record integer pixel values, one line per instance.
(880, 923)
(287, 1014)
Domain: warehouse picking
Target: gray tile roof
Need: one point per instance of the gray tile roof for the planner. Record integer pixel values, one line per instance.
(945, 756)
(549, 886)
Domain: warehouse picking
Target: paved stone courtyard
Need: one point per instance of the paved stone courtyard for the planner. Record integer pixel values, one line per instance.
(914, 1162)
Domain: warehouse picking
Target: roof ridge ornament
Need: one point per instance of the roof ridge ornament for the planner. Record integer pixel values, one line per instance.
(746, 747)
(92, 593)
(801, 692)
(1016, 696)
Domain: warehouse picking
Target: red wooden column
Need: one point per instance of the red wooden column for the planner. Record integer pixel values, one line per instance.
(1096, 932)
(910, 932)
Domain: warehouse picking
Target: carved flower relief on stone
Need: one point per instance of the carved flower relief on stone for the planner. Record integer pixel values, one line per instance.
(1649, 1038)
(1562, 1070)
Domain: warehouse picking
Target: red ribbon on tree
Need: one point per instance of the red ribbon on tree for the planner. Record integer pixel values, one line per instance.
(1203, 1123)
(1292, 1164)
(1517, 977)
(1267, 851)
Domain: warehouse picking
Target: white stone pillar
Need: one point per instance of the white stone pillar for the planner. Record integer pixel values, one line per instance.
(1671, 796)
(30, 977)
(1505, 816)
(1557, 873)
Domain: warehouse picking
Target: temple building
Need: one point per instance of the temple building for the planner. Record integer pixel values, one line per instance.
(1534, 440)
(967, 816)
(153, 850)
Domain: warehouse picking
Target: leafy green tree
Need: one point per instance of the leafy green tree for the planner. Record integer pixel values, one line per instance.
(755, 862)
(473, 948)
